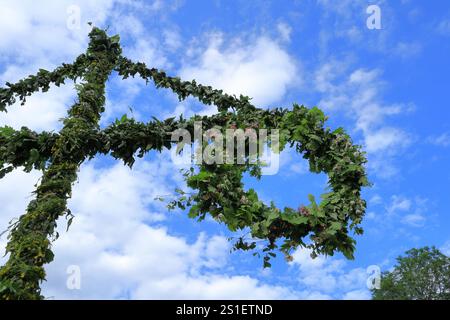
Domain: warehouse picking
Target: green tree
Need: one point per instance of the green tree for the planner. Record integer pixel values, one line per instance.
(217, 189)
(423, 274)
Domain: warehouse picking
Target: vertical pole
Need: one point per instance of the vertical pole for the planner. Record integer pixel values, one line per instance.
(29, 244)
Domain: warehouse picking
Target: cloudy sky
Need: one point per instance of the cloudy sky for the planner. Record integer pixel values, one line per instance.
(389, 87)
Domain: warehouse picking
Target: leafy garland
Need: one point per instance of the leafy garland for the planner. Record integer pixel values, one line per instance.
(218, 189)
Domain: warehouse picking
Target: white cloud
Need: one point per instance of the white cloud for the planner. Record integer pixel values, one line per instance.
(407, 49)
(412, 212)
(213, 287)
(414, 219)
(442, 140)
(418, 212)
(147, 50)
(122, 249)
(359, 94)
(328, 276)
(399, 203)
(357, 295)
(301, 167)
(385, 138)
(122, 254)
(37, 29)
(345, 22)
(291, 163)
(38, 37)
(371, 215)
(172, 39)
(445, 249)
(15, 193)
(285, 31)
(444, 27)
(42, 111)
(260, 69)
(376, 199)
(117, 238)
(35, 35)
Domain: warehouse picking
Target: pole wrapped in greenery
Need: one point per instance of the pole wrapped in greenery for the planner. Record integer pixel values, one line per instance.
(218, 189)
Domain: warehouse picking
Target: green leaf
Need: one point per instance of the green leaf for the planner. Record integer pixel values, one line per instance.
(69, 221)
(295, 219)
(34, 155)
(336, 225)
(115, 39)
(203, 176)
(193, 211)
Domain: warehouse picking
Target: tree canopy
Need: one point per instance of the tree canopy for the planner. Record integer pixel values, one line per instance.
(218, 189)
(422, 274)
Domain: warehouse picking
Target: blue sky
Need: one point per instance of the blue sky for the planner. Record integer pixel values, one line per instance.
(389, 88)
